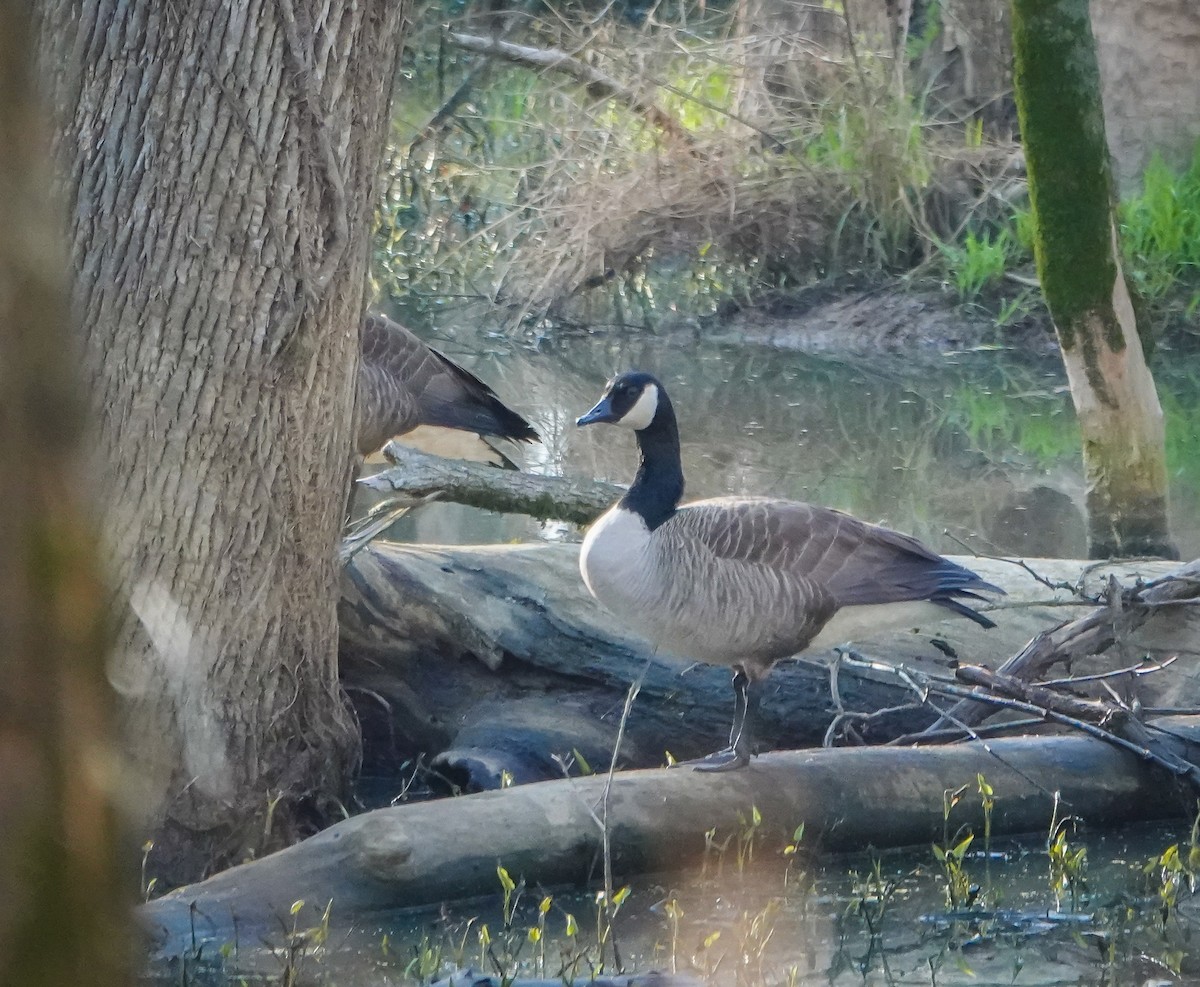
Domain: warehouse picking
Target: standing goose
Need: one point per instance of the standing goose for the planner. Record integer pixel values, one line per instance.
(403, 383)
(747, 581)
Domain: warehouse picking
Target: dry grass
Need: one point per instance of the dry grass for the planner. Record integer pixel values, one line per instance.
(796, 155)
(668, 206)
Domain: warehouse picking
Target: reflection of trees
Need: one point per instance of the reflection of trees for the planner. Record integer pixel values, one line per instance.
(984, 448)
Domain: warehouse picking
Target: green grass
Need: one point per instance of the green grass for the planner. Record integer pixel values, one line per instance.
(1160, 230)
(1160, 238)
(979, 263)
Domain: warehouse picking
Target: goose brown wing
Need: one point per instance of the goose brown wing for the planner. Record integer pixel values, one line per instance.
(395, 367)
(855, 563)
(404, 383)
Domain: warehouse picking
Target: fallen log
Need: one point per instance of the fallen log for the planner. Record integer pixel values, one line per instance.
(548, 834)
(494, 661)
(417, 475)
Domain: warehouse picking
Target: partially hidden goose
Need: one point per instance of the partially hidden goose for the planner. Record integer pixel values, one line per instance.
(746, 581)
(403, 382)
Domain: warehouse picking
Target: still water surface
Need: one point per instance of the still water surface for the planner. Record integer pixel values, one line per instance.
(787, 920)
(968, 451)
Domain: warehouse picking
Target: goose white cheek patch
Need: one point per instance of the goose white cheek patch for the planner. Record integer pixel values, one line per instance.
(643, 411)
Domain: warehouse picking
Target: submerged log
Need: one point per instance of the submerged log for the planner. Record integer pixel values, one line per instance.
(548, 834)
(496, 662)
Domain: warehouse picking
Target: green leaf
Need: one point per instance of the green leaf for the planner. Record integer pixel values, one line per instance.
(506, 882)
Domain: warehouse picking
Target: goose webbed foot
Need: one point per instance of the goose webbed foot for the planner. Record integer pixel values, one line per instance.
(729, 759)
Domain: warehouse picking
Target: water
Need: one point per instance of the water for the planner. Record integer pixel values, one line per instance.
(967, 451)
(780, 919)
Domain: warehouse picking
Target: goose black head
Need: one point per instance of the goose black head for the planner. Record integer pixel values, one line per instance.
(631, 399)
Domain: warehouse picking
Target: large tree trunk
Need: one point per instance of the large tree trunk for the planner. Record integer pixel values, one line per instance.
(221, 163)
(1079, 264)
(61, 914)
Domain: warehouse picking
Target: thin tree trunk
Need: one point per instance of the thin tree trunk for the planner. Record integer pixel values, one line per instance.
(1079, 263)
(62, 910)
(221, 162)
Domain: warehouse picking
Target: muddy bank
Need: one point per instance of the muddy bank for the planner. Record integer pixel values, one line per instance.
(881, 319)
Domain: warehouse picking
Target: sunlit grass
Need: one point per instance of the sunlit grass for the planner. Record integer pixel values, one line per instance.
(1160, 230)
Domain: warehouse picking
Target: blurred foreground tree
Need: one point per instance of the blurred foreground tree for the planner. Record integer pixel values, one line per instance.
(61, 909)
(1079, 264)
(220, 166)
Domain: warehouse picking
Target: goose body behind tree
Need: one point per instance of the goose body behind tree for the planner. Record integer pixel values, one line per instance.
(747, 581)
(403, 382)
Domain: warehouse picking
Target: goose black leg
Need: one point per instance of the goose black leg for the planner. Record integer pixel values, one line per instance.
(737, 754)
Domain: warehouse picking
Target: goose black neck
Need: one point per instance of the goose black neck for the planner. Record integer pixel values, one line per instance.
(658, 486)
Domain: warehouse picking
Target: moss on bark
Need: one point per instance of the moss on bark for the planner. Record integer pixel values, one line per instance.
(1071, 186)
(1062, 125)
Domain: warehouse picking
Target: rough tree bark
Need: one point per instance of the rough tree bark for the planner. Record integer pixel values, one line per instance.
(1079, 264)
(220, 163)
(61, 913)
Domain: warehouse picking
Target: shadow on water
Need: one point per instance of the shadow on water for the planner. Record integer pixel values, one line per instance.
(967, 451)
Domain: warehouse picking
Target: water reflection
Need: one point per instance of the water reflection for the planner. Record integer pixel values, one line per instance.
(977, 450)
(742, 919)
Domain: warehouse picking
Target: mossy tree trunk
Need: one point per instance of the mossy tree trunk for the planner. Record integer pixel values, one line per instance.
(62, 914)
(1079, 264)
(220, 163)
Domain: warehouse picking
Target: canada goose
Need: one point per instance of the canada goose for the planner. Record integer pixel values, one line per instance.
(403, 383)
(747, 581)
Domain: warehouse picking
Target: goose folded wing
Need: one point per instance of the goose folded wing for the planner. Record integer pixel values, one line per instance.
(396, 367)
(855, 563)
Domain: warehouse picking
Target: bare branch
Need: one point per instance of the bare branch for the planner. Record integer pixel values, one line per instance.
(417, 475)
(1095, 632)
(600, 85)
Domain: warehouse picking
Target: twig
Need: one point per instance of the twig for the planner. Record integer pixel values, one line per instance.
(1170, 762)
(1076, 590)
(976, 736)
(381, 517)
(846, 715)
(605, 830)
(1139, 669)
(599, 85)
(958, 733)
(1039, 696)
(1097, 631)
(925, 684)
